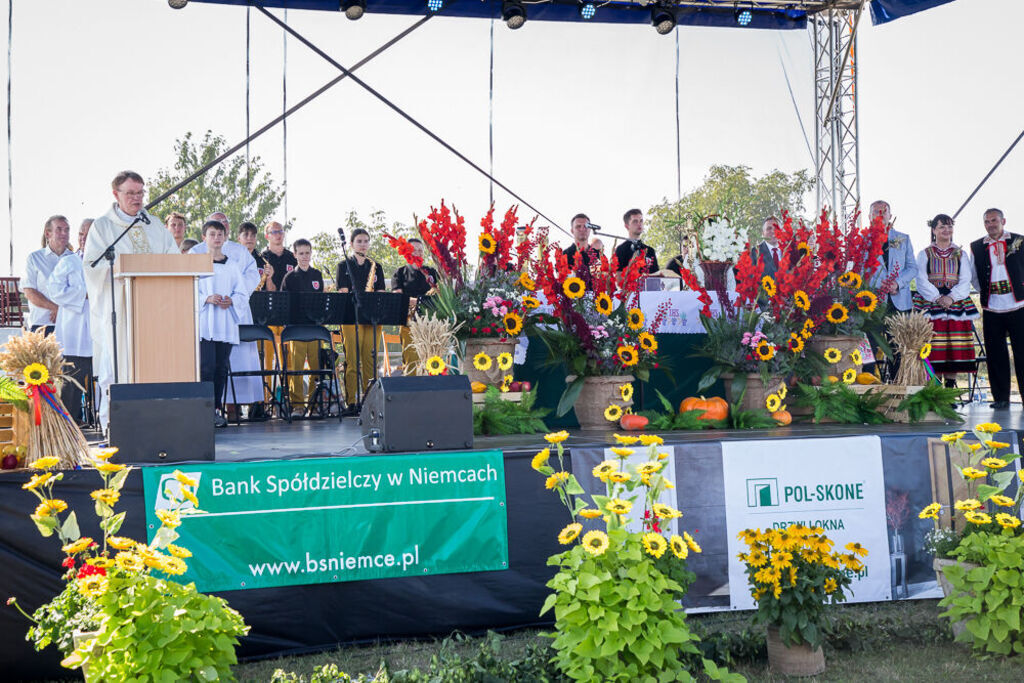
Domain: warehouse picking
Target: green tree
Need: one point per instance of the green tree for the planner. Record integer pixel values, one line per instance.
(327, 246)
(733, 192)
(243, 194)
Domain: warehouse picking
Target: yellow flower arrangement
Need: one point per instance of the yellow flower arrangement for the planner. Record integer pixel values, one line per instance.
(590, 513)
(574, 287)
(46, 463)
(808, 329)
(635, 319)
(526, 282)
(648, 342)
(833, 355)
(556, 480)
(626, 439)
(866, 301)
(930, 511)
(764, 350)
(768, 285)
(626, 392)
(487, 243)
(973, 473)
(850, 280)
(513, 323)
(618, 506)
(975, 517)
(849, 376)
(988, 428)
(36, 481)
(530, 302)
(801, 300)
(796, 342)
(627, 355)
(856, 358)
(602, 470)
(603, 304)
(993, 463)
(837, 313)
(678, 546)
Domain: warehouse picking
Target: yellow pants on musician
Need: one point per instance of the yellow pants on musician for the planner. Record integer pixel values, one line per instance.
(366, 359)
(409, 356)
(299, 353)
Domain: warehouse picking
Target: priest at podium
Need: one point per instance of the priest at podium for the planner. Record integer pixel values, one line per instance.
(146, 236)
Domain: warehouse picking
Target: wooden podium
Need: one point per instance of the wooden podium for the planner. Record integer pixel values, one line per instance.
(161, 326)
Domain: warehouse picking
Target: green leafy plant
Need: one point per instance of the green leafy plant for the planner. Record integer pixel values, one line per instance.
(497, 416)
(670, 419)
(836, 401)
(10, 392)
(793, 574)
(616, 611)
(932, 398)
(990, 597)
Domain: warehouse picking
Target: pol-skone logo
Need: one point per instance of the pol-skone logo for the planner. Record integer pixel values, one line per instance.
(169, 488)
(762, 493)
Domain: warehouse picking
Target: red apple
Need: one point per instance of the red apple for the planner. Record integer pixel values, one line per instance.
(9, 462)
(515, 386)
(525, 386)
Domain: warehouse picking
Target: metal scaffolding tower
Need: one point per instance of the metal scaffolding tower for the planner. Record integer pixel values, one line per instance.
(836, 153)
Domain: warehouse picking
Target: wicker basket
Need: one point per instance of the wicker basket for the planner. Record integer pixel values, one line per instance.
(597, 394)
(756, 393)
(845, 344)
(795, 660)
(493, 347)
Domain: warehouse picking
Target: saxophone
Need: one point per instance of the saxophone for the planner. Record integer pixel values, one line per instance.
(371, 279)
(263, 281)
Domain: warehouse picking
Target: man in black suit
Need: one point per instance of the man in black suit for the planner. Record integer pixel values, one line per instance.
(580, 227)
(769, 251)
(999, 277)
(633, 247)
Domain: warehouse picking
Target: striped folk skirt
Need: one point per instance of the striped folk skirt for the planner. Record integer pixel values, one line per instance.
(953, 344)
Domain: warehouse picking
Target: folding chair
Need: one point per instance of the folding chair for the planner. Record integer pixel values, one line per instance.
(328, 385)
(11, 314)
(393, 340)
(261, 333)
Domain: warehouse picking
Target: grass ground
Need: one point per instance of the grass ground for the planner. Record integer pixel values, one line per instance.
(904, 641)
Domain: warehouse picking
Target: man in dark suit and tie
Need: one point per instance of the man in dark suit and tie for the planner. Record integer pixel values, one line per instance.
(769, 252)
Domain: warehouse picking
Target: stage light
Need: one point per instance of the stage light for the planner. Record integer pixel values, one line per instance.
(354, 9)
(513, 13)
(177, 4)
(743, 17)
(663, 20)
(435, 5)
(588, 10)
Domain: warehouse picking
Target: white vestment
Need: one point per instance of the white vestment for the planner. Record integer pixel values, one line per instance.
(153, 238)
(66, 288)
(244, 357)
(216, 323)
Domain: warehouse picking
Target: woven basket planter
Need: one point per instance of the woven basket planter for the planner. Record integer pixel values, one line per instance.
(493, 347)
(597, 394)
(793, 660)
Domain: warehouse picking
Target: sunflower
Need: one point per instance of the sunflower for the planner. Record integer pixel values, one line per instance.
(169, 518)
(849, 376)
(1001, 501)
(603, 469)
(796, 343)
(93, 585)
(107, 496)
(175, 566)
(764, 350)
(768, 285)
(648, 439)
(590, 513)
(866, 301)
(973, 473)
(530, 302)
(50, 507)
(595, 542)
(618, 506)
(109, 467)
(993, 463)
(513, 323)
(678, 546)
(105, 453)
(803, 249)
(487, 243)
(1007, 521)
(622, 452)
(988, 428)
(654, 544)
(36, 481)
(619, 477)
(626, 440)
(663, 511)
(975, 517)
(613, 413)
(526, 282)
(773, 403)
(808, 329)
(46, 463)
(857, 549)
(482, 361)
(569, 533)
(603, 304)
(574, 287)
(504, 360)
(837, 313)
(830, 585)
(856, 358)
(995, 445)
(36, 374)
(833, 355)
(626, 391)
(953, 437)
(801, 300)
(635, 319)
(120, 542)
(506, 383)
(556, 437)
(541, 459)
(556, 480)
(850, 280)
(648, 342)
(690, 542)
(930, 511)
(627, 355)
(184, 479)
(966, 505)
(925, 351)
(435, 366)
(78, 546)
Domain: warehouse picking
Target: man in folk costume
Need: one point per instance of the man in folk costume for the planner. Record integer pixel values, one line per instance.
(245, 357)
(896, 270)
(147, 236)
(999, 277)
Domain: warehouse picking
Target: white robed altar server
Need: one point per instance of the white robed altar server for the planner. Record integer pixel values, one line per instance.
(143, 238)
(244, 357)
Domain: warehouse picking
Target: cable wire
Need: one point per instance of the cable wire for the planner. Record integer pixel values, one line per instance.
(989, 175)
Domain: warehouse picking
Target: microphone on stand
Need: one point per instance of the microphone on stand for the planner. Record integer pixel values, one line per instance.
(341, 235)
(143, 217)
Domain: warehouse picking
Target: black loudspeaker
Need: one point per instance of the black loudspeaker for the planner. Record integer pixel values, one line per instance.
(403, 414)
(163, 422)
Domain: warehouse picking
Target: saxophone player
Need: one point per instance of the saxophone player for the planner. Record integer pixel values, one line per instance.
(304, 278)
(367, 276)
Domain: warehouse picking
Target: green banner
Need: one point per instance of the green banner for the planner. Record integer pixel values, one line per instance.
(322, 520)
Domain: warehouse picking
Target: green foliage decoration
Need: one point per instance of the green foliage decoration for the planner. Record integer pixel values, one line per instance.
(836, 401)
(932, 398)
(499, 417)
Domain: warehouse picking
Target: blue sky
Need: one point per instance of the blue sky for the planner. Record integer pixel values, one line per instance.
(584, 114)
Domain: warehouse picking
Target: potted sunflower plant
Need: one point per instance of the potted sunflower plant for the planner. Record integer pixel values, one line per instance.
(978, 545)
(490, 303)
(599, 332)
(793, 574)
(603, 631)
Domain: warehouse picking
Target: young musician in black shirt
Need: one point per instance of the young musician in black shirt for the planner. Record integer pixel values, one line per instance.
(304, 278)
(634, 247)
(416, 282)
(368, 276)
(580, 248)
(277, 255)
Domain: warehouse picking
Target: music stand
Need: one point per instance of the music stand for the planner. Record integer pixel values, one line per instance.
(376, 308)
(271, 308)
(319, 308)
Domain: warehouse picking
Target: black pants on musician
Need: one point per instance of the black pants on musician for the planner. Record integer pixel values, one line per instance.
(999, 326)
(213, 367)
(71, 393)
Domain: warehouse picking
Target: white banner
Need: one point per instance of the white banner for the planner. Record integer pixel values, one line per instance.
(683, 316)
(836, 484)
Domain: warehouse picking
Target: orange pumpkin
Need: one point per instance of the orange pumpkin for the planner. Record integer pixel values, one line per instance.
(715, 408)
(632, 422)
(782, 417)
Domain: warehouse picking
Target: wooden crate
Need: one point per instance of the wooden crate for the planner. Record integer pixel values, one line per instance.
(14, 425)
(514, 396)
(895, 395)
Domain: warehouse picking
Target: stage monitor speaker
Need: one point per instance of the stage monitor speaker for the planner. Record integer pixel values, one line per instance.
(162, 422)
(408, 414)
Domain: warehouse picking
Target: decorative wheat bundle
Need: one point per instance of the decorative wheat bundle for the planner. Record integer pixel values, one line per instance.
(911, 334)
(432, 338)
(36, 359)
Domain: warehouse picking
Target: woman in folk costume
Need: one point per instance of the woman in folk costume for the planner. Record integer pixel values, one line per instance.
(943, 294)
(223, 297)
